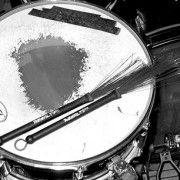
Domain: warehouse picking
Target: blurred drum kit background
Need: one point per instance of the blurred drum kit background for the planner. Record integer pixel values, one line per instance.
(54, 52)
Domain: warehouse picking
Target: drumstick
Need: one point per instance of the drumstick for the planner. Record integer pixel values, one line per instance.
(144, 75)
(68, 119)
(45, 118)
(89, 97)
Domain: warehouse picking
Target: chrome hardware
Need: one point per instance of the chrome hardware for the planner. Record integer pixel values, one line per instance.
(133, 151)
(4, 168)
(146, 126)
(111, 5)
(121, 169)
(172, 140)
(80, 173)
(119, 165)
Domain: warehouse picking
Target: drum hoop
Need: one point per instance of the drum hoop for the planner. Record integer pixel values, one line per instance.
(164, 30)
(73, 165)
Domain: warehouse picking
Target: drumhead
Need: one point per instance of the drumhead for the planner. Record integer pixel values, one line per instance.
(46, 63)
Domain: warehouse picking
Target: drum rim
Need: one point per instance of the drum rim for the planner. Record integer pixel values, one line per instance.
(73, 165)
(170, 38)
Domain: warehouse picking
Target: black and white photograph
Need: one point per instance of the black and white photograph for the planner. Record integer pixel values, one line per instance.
(89, 90)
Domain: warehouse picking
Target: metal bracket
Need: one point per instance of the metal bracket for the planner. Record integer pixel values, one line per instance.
(4, 168)
(80, 173)
(166, 158)
(132, 152)
(121, 169)
(172, 140)
(146, 125)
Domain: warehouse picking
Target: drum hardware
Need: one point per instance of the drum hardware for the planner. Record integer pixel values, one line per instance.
(119, 166)
(166, 159)
(128, 171)
(172, 140)
(146, 126)
(4, 168)
(135, 159)
(140, 21)
(7, 172)
(171, 144)
(111, 5)
(165, 168)
(140, 24)
(79, 175)
(132, 152)
(137, 146)
(120, 169)
(144, 76)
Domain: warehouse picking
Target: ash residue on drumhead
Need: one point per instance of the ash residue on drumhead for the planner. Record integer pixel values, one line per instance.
(50, 70)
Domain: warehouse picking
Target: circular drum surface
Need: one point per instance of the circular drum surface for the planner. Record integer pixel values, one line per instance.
(46, 63)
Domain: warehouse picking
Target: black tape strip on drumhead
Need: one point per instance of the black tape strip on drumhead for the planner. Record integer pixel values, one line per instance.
(77, 18)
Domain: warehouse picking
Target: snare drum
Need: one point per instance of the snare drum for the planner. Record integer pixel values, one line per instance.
(48, 60)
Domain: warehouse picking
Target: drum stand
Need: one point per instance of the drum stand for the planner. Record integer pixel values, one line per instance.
(163, 162)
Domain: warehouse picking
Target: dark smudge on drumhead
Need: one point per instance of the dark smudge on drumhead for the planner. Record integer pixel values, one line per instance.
(51, 72)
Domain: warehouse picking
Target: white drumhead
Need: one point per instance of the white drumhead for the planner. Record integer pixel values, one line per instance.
(46, 63)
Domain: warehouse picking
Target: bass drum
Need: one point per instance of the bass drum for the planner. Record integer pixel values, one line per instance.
(165, 42)
(47, 61)
(165, 124)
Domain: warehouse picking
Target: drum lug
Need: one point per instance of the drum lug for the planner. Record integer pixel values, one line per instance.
(4, 168)
(135, 150)
(146, 126)
(80, 173)
(121, 169)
